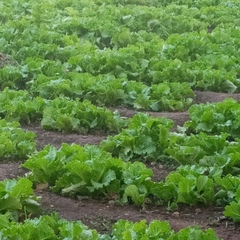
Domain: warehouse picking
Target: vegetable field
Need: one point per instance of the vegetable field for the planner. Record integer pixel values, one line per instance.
(120, 119)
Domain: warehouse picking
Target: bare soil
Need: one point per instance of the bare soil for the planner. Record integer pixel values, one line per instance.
(6, 60)
(101, 214)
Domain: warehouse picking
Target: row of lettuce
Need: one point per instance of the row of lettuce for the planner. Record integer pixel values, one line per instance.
(52, 227)
(208, 159)
(105, 92)
(67, 115)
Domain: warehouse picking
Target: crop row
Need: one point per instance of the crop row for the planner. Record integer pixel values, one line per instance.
(52, 227)
(18, 203)
(65, 114)
(61, 114)
(144, 138)
(109, 91)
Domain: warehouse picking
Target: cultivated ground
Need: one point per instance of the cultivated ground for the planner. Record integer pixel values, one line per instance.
(101, 215)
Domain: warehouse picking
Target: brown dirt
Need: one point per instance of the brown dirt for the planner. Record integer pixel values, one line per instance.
(57, 138)
(100, 214)
(6, 60)
(205, 97)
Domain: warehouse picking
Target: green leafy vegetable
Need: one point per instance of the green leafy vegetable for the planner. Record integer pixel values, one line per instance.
(145, 138)
(52, 227)
(88, 171)
(63, 114)
(20, 106)
(215, 118)
(18, 196)
(14, 141)
(233, 211)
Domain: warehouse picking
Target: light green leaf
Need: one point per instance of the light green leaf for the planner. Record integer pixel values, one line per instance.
(233, 211)
(133, 192)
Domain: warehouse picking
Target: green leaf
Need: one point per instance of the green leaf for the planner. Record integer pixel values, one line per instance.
(233, 211)
(71, 230)
(196, 233)
(157, 229)
(163, 136)
(73, 189)
(23, 187)
(18, 195)
(108, 177)
(133, 192)
(4, 220)
(164, 192)
(186, 190)
(136, 173)
(201, 182)
(11, 203)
